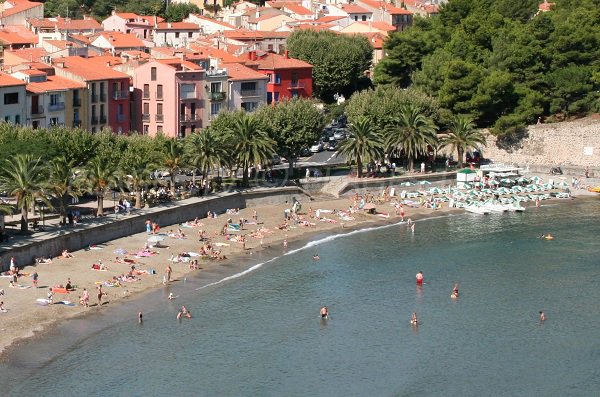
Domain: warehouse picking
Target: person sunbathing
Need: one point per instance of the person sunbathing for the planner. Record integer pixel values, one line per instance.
(43, 260)
(66, 254)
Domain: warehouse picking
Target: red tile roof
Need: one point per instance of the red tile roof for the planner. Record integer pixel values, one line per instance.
(63, 44)
(293, 7)
(120, 40)
(387, 6)
(242, 34)
(147, 19)
(545, 6)
(65, 23)
(224, 24)
(270, 61)
(179, 64)
(89, 69)
(178, 26)
(237, 71)
(54, 83)
(420, 4)
(310, 26)
(354, 9)
(13, 38)
(28, 54)
(12, 7)
(9, 81)
(216, 53)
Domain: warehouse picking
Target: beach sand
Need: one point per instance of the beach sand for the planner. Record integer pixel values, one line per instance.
(25, 317)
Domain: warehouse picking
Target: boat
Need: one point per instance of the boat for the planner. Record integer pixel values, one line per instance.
(477, 210)
(495, 207)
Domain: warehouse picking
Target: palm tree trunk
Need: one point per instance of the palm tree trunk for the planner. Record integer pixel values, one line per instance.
(245, 176)
(173, 183)
(100, 201)
(359, 167)
(24, 223)
(63, 208)
(461, 153)
(138, 198)
(411, 164)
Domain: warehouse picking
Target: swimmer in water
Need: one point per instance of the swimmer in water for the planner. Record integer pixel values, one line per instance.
(413, 319)
(420, 278)
(316, 257)
(454, 294)
(140, 317)
(542, 316)
(171, 296)
(324, 312)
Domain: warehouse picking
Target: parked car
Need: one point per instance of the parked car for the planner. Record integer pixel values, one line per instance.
(276, 159)
(316, 148)
(305, 152)
(331, 146)
(339, 134)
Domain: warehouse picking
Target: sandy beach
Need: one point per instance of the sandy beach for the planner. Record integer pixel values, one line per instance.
(25, 316)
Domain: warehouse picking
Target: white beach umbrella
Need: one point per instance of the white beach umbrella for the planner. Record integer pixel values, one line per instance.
(522, 179)
(436, 190)
(407, 184)
(493, 182)
(562, 184)
(424, 183)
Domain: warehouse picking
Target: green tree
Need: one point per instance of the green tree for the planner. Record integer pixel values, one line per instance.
(339, 61)
(495, 96)
(251, 143)
(176, 12)
(363, 145)
(206, 149)
(138, 162)
(99, 175)
(293, 125)
(571, 89)
(460, 84)
(462, 136)
(412, 133)
(24, 177)
(62, 183)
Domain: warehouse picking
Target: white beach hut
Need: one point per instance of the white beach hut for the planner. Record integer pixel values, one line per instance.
(465, 176)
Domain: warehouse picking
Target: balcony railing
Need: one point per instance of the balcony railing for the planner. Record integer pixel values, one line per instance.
(53, 107)
(188, 117)
(117, 95)
(94, 98)
(217, 96)
(76, 101)
(94, 120)
(102, 97)
(249, 93)
(145, 116)
(76, 123)
(159, 118)
(102, 119)
(296, 85)
(120, 118)
(188, 95)
(37, 110)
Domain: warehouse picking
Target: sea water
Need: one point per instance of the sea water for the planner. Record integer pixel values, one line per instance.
(260, 334)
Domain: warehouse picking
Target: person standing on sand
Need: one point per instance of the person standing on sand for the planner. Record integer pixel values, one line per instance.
(100, 295)
(285, 244)
(35, 276)
(419, 278)
(85, 299)
(168, 272)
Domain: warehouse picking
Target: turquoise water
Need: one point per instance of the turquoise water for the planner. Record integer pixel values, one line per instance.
(260, 334)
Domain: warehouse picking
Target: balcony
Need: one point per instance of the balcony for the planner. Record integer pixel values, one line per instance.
(145, 116)
(37, 110)
(249, 93)
(102, 97)
(184, 118)
(217, 96)
(94, 120)
(76, 101)
(94, 98)
(76, 123)
(296, 85)
(187, 96)
(119, 95)
(159, 118)
(102, 119)
(55, 107)
(120, 118)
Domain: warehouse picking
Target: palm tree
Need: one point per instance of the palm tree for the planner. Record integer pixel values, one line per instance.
(24, 177)
(251, 145)
(62, 183)
(173, 160)
(206, 150)
(363, 145)
(138, 172)
(100, 175)
(462, 136)
(412, 132)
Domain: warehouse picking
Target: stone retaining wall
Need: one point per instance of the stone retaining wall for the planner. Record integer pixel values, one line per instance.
(571, 145)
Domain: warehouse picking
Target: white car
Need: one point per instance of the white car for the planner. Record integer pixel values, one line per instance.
(316, 148)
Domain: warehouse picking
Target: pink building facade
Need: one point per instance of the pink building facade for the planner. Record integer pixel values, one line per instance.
(170, 96)
(127, 22)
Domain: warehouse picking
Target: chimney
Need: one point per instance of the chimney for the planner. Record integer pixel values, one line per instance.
(169, 25)
(287, 54)
(155, 21)
(114, 12)
(108, 64)
(252, 55)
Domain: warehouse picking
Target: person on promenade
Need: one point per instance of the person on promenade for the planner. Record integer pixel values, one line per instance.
(148, 226)
(413, 320)
(542, 317)
(324, 312)
(419, 279)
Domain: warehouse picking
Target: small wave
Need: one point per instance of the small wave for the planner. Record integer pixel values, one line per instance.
(240, 274)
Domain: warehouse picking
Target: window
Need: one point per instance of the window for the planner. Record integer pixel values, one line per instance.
(215, 87)
(93, 130)
(146, 128)
(120, 109)
(54, 99)
(215, 108)
(76, 115)
(102, 114)
(188, 91)
(190, 35)
(7, 119)
(146, 108)
(364, 18)
(270, 47)
(176, 35)
(115, 87)
(277, 78)
(250, 86)
(146, 90)
(93, 88)
(11, 98)
(93, 110)
(249, 106)
(159, 108)
(159, 129)
(153, 73)
(18, 119)
(102, 89)
(54, 121)
(356, 17)
(159, 91)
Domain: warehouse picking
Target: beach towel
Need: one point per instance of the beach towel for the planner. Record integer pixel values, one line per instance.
(221, 244)
(94, 247)
(233, 227)
(19, 286)
(58, 290)
(66, 303)
(42, 301)
(142, 254)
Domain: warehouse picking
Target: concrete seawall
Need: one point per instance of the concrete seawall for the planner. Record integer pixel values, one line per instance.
(97, 231)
